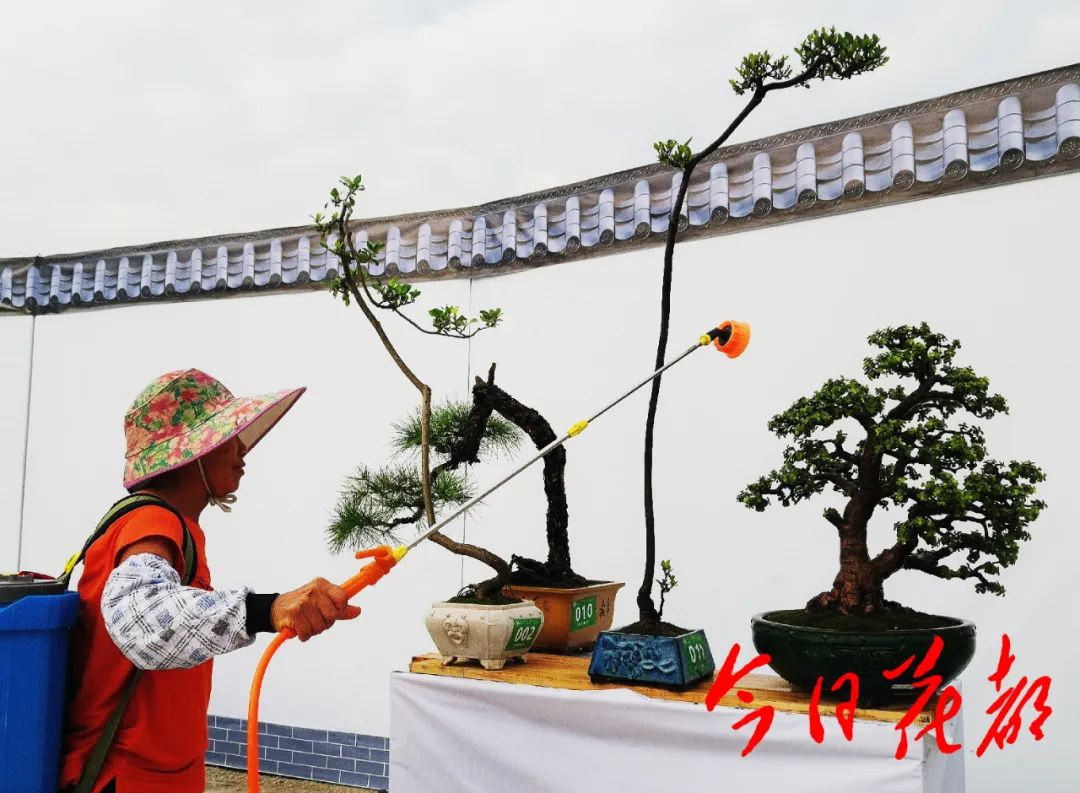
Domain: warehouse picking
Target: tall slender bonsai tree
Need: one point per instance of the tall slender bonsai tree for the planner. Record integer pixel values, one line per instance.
(355, 285)
(963, 514)
(824, 55)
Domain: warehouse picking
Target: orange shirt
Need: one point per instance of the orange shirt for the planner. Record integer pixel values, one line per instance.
(161, 744)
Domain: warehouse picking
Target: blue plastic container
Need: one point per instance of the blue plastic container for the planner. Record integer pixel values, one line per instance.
(34, 632)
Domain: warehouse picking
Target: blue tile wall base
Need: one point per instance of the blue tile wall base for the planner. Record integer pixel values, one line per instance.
(343, 758)
(677, 662)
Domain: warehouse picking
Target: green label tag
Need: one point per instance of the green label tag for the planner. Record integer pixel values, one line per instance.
(583, 613)
(695, 655)
(524, 633)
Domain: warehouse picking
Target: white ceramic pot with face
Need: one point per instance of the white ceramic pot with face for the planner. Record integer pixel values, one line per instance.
(488, 634)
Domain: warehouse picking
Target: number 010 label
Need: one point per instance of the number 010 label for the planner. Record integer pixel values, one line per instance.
(583, 613)
(523, 634)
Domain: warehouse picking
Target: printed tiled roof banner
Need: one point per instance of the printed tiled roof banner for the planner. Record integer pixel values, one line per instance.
(997, 134)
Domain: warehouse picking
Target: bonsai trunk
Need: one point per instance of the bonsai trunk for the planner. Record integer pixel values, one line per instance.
(485, 589)
(557, 567)
(857, 588)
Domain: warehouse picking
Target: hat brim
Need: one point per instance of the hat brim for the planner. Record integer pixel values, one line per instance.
(250, 418)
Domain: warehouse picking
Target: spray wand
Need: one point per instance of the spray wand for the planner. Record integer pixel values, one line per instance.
(730, 338)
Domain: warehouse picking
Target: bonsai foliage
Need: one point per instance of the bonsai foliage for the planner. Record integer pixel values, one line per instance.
(449, 429)
(376, 503)
(356, 285)
(392, 294)
(667, 582)
(964, 515)
(824, 55)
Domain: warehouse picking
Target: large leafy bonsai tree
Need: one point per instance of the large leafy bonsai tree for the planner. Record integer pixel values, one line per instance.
(823, 55)
(963, 515)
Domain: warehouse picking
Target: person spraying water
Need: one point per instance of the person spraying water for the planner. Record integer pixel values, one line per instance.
(149, 621)
(730, 338)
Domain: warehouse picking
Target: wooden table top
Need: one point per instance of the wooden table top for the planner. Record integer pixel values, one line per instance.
(572, 673)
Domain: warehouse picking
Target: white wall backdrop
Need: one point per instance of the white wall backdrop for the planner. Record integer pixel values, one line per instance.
(996, 269)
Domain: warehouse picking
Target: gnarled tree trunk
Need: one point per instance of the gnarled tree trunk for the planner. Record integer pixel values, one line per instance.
(485, 589)
(857, 587)
(557, 568)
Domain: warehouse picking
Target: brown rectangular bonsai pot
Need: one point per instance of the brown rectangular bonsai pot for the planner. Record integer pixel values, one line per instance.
(573, 618)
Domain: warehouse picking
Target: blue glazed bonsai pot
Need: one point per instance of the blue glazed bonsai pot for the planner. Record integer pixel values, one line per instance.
(677, 662)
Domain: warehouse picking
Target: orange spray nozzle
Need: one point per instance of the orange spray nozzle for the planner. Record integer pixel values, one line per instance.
(383, 558)
(731, 338)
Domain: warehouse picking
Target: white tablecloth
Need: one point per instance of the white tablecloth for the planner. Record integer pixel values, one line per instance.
(475, 736)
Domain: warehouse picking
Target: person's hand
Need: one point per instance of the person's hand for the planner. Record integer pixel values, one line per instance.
(311, 609)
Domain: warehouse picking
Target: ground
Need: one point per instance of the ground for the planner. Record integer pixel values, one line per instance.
(223, 780)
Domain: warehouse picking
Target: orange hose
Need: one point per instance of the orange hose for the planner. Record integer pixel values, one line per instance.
(383, 558)
(253, 710)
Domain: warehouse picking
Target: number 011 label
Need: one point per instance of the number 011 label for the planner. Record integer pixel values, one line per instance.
(523, 634)
(696, 656)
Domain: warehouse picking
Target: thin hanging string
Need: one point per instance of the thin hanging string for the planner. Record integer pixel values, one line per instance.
(221, 502)
(26, 443)
(468, 389)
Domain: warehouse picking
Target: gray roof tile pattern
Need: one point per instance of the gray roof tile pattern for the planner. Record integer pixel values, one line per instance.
(996, 134)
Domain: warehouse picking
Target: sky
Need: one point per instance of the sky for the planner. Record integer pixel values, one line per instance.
(126, 123)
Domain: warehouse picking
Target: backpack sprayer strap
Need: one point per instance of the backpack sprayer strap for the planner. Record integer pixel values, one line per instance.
(96, 759)
(117, 511)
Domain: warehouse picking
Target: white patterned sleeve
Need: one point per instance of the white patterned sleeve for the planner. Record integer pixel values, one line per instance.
(157, 623)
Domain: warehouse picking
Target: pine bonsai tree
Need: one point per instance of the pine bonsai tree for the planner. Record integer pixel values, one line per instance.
(376, 503)
(963, 515)
(824, 55)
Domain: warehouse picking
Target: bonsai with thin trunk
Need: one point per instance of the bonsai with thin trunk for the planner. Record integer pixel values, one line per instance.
(824, 55)
(356, 286)
(963, 515)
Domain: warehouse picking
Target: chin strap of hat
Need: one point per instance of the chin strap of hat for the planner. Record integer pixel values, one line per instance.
(221, 502)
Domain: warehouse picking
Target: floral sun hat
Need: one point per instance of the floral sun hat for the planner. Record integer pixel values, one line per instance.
(186, 414)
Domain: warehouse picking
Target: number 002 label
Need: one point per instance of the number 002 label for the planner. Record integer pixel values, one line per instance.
(583, 613)
(523, 634)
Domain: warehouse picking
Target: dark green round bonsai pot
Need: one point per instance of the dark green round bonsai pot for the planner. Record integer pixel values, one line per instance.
(801, 654)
